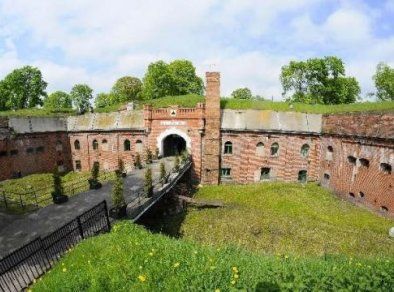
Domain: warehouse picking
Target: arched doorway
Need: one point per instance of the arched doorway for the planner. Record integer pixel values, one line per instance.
(173, 145)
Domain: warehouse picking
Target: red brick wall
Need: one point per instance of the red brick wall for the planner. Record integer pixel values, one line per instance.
(107, 154)
(35, 162)
(345, 177)
(246, 163)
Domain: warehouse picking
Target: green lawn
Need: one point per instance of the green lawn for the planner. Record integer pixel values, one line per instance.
(36, 112)
(132, 259)
(284, 218)
(38, 187)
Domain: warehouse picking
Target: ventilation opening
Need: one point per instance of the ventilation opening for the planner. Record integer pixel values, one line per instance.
(265, 173)
(361, 194)
(364, 162)
(352, 195)
(302, 176)
(384, 209)
(352, 159)
(385, 167)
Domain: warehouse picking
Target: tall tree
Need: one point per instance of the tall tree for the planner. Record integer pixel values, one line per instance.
(24, 88)
(184, 78)
(319, 81)
(127, 88)
(242, 93)
(81, 94)
(105, 99)
(58, 100)
(158, 81)
(384, 82)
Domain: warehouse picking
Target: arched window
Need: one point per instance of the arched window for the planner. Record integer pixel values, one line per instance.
(126, 145)
(77, 146)
(59, 145)
(260, 149)
(386, 168)
(361, 194)
(95, 144)
(305, 150)
(139, 147)
(274, 149)
(228, 147)
(352, 159)
(302, 176)
(104, 141)
(364, 162)
(352, 195)
(329, 153)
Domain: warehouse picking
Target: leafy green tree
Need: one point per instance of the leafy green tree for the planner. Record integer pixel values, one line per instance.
(185, 80)
(58, 100)
(148, 183)
(384, 82)
(117, 195)
(163, 173)
(23, 88)
(127, 88)
(242, 93)
(319, 81)
(80, 96)
(158, 81)
(105, 99)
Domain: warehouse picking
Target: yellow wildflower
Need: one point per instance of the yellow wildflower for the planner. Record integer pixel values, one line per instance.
(176, 265)
(233, 282)
(64, 270)
(235, 269)
(236, 276)
(217, 290)
(151, 254)
(142, 278)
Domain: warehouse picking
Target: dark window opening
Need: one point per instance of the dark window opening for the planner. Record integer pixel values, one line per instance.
(352, 159)
(126, 145)
(173, 145)
(384, 209)
(40, 149)
(78, 165)
(352, 195)
(302, 176)
(104, 141)
(385, 167)
(77, 145)
(228, 147)
(225, 172)
(96, 164)
(29, 150)
(364, 162)
(95, 144)
(329, 153)
(3, 153)
(330, 149)
(305, 150)
(265, 173)
(274, 149)
(326, 176)
(16, 174)
(14, 152)
(361, 194)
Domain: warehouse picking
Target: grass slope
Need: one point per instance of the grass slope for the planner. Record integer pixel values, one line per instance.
(281, 218)
(132, 259)
(37, 112)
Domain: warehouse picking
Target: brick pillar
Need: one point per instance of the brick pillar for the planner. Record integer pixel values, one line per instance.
(211, 138)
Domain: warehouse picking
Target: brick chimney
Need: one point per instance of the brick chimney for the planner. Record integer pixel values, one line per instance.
(211, 139)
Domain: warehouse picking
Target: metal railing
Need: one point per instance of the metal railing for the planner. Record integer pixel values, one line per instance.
(21, 267)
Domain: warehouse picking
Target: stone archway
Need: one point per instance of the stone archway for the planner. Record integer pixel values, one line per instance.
(173, 140)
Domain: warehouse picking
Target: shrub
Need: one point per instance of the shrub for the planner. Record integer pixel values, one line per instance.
(148, 186)
(163, 173)
(95, 171)
(57, 184)
(121, 170)
(148, 156)
(157, 153)
(137, 161)
(184, 156)
(176, 164)
(117, 197)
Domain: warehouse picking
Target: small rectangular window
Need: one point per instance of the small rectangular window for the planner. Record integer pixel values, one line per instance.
(265, 173)
(14, 152)
(30, 150)
(78, 165)
(3, 153)
(40, 149)
(225, 172)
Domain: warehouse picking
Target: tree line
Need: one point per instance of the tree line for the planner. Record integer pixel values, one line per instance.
(314, 81)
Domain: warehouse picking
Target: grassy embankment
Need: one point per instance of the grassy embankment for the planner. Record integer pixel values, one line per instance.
(292, 238)
(41, 186)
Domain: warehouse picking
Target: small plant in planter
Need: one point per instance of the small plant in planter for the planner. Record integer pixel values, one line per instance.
(94, 183)
(57, 195)
(118, 209)
(148, 156)
(176, 164)
(121, 170)
(148, 184)
(163, 174)
(137, 161)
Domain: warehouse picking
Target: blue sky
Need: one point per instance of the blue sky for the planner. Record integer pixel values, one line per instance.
(96, 42)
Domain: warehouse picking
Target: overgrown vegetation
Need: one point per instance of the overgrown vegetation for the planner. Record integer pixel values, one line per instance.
(284, 218)
(132, 259)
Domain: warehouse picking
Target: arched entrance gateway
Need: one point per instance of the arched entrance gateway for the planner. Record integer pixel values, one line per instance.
(173, 142)
(173, 145)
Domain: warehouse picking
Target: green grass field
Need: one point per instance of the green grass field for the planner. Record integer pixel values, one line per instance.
(38, 187)
(132, 259)
(287, 218)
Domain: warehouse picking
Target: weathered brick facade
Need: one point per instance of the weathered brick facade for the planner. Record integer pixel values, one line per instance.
(352, 154)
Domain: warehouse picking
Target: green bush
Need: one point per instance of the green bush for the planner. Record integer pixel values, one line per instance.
(95, 171)
(163, 173)
(117, 197)
(137, 161)
(148, 183)
(148, 156)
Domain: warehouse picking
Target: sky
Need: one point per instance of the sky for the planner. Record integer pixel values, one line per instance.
(248, 41)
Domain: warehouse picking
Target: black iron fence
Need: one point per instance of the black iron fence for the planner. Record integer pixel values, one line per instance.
(34, 198)
(19, 269)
